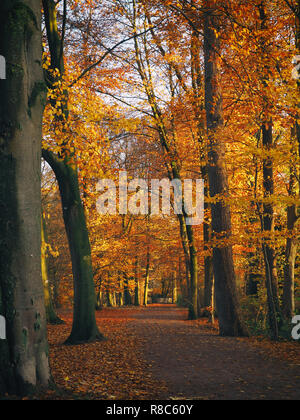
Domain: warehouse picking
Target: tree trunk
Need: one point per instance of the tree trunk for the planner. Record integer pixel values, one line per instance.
(198, 103)
(289, 279)
(99, 304)
(127, 295)
(186, 251)
(292, 217)
(24, 354)
(147, 278)
(193, 306)
(297, 27)
(174, 288)
(191, 258)
(208, 280)
(121, 297)
(268, 184)
(137, 284)
(274, 313)
(84, 321)
(225, 281)
(290, 254)
(109, 299)
(168, 143)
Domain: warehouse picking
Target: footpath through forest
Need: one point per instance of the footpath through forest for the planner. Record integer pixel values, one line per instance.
(154, 353)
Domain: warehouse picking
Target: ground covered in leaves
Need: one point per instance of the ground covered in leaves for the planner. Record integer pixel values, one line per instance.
(113, 369)
(155, 353)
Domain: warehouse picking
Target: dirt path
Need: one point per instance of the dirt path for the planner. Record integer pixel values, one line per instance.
(154, 353)
(198, 364)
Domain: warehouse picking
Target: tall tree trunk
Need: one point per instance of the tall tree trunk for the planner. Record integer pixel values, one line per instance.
(174, 288)
(198, 103)
(168, 143)
(289, 278)
(137, 284)
(268, 250)
(84, 321)
(147, 277)
(268, 226)
(109, 299)
(121, 296)
(292, 217)
(99, 304)
(288, 303)
(193, 306)
(127, 295)
(24, 354)
(225, 281)
(297, 18)
(185, 247)
(268, 219)
(208, 270)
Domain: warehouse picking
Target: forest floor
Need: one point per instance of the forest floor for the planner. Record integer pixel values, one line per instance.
(155, 353)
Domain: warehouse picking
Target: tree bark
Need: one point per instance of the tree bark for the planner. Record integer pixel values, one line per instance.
(24, 354)
(193, 306)
(127, 295)
(137, 284)
(174, 288)
(288, 301)
(198, 103)
(268, 226)
(147, 277)
(268, 218)
(225, 281)
(292, 211)
(289, 279)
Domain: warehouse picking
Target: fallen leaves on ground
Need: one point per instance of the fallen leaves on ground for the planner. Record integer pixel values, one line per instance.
(113, 369)
(288, 351)
(282, 350)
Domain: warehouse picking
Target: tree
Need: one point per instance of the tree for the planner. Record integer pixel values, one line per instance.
(84, 322)
(24, 355)
(198, 105)
(167, 137)
(292, 210)
(268, 219)
(227, 302)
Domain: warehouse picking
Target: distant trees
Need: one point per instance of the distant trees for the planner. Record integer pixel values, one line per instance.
(198, 90)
